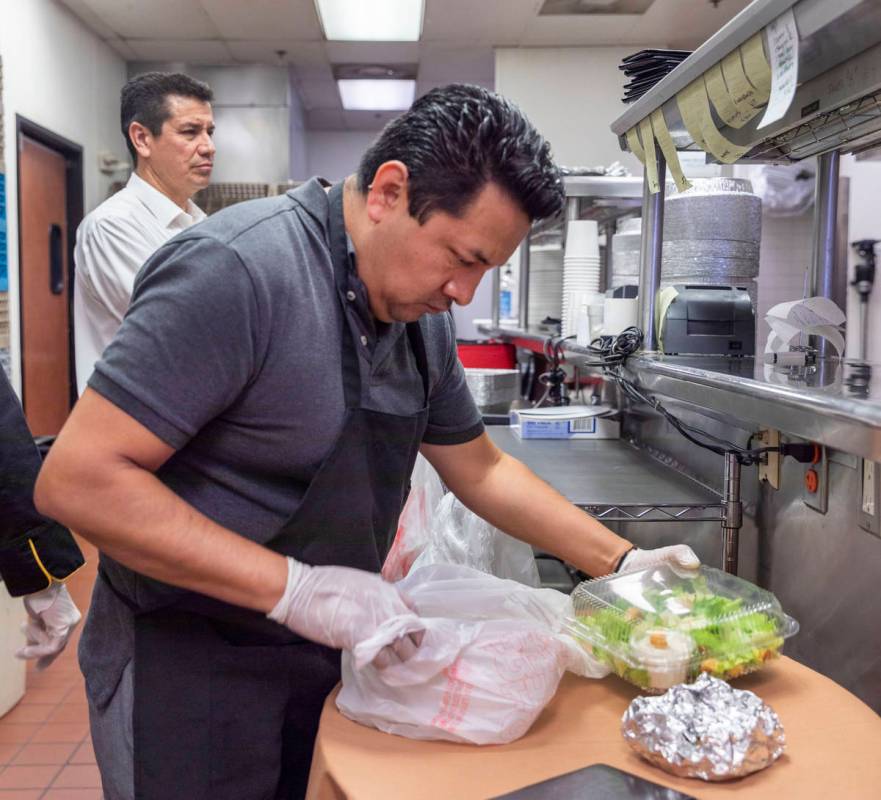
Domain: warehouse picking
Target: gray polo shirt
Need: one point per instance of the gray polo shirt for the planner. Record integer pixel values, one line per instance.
(231, 354)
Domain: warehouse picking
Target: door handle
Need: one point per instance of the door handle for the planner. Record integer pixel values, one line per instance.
(56, 260)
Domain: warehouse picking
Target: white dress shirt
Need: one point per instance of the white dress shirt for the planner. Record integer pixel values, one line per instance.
(112, 244)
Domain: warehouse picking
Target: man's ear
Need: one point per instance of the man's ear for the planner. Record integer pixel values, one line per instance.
(387, 194)
(142, 139)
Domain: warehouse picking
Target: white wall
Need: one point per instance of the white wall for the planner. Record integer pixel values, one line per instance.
(572, 95)
(60, 75)
(336, 154)
(252, 115)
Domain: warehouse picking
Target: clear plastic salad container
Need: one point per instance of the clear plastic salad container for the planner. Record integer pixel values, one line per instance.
(658, 627)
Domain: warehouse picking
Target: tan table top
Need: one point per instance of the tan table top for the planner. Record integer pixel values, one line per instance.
(833, 742)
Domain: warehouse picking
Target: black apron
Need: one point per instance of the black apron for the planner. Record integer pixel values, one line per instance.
(226, 702)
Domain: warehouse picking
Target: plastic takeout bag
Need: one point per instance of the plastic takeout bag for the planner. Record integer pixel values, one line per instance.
(491, 659)
(426, 491)
(436, 528)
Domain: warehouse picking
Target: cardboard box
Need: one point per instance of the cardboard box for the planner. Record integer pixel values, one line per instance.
(577, 428)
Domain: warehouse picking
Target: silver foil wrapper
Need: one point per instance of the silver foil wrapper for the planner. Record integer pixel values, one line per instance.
(710, 249)
(712, 235)
(736, 216)
(706, 730)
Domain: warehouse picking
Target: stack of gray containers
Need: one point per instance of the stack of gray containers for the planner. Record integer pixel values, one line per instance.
(712, 233)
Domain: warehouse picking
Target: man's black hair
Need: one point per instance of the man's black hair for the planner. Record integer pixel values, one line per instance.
(456, 139)
(144, 99)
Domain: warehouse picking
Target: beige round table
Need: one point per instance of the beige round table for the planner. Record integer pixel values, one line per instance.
(833, 748)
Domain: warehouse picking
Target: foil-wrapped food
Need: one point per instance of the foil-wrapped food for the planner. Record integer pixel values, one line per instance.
(706, 730)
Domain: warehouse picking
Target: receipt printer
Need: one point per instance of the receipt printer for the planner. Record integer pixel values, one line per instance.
(709, 320)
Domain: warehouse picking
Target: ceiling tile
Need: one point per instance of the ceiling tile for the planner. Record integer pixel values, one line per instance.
(156, 19)
(265, 51)
(318, 93)
(368, 120)
(670, 23)
(492, 22)
(688, 25)
(123, 48)
(312, 72)
(196, 52)
(265, 19)
(90, 18)
(372, 52)
(578, 31)
(324, 119)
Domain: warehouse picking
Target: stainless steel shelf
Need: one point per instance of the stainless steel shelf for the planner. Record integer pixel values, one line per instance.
(836, 106)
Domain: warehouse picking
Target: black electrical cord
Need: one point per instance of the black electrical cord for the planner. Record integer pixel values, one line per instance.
(555, 377)
(610, 353)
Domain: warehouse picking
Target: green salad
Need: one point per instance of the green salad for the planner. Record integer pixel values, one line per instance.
(679, 633)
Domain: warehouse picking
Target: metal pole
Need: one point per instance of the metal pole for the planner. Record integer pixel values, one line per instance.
(650, 256)
(825, 229)
(523, 286)
(732, 513)
(609, 231)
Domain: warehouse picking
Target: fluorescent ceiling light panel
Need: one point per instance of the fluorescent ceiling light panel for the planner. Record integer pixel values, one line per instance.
(376, 95)
(371, 20)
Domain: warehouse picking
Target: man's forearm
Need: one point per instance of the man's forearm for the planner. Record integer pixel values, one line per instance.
(517, 501)
(131, 516)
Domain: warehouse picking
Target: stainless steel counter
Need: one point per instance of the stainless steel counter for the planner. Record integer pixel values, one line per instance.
(602, 473)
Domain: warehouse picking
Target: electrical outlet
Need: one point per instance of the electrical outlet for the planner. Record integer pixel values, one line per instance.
(769, 468)
(870, 498)
(816, 487)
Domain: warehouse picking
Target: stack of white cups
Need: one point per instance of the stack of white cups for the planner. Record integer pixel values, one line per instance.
(581, 275)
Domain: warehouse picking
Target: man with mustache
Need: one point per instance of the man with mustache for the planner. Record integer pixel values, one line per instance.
(242, 452)
(168, 127)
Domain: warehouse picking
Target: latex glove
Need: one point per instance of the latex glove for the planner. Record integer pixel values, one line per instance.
(340, 606)
(52, 617)
(677, 556)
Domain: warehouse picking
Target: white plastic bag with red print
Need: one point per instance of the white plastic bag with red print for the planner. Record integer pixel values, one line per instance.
(435, 528)
(426, 491)
(490, 660)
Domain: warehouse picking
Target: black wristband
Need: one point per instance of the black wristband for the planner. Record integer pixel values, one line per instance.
(623, 556)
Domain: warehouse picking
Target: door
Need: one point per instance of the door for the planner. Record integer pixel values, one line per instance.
(45, 283)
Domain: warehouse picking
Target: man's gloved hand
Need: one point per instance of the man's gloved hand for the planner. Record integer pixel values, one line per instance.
(52, 617)
(678, 556)
(340, 606)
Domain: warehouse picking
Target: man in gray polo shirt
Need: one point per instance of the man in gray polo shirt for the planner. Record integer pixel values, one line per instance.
(242, 452)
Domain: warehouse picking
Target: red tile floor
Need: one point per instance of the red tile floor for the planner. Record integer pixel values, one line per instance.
(45, 749)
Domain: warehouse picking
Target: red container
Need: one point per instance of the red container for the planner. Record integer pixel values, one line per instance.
(488, 355)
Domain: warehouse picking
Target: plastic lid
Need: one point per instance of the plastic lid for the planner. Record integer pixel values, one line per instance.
(658, 627)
